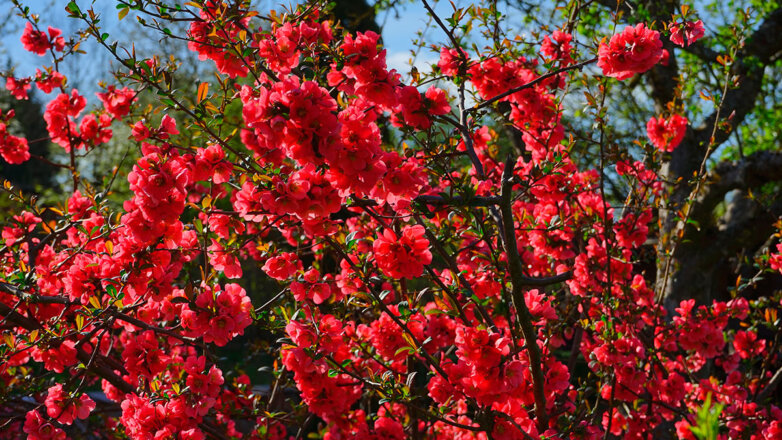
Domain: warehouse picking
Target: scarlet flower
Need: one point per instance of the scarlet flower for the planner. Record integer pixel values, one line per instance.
(687, 33)
(388, 428)
(282, 48)
(557, 46)
(405, 256)
(211, 37)
(58, 116)
(747, 345)
(48, 81)
(450, 60)
(230, 317)
(18, 87)
(117, 101)
(224, 261)
(56, 359)
(667, 134)
(635, 50)
(37, 428)
(38, 42)
(167, 127)
(223, 225)
(775, 260)
(140, 131)
(417, 110)
(65, 409)
(13, 149)
(283, 266)
(207, 384)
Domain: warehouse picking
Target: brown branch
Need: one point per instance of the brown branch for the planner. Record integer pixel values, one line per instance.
(532, 83)
(376, 295)
(772, 385)
(99, 368)
(427, 199)
(701, 50)
(455, 270)
(749, 172)
(32, 298)
(762, 47)
(464, 123)
(518, 281)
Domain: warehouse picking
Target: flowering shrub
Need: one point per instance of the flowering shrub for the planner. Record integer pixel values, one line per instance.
(435, 281)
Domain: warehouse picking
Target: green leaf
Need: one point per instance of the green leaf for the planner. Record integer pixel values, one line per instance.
(707, 420)
(73, 8)
(409, 350)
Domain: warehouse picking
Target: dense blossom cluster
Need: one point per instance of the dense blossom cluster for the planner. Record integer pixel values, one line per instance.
(687, 33)
(667, 133)
(402, 313)
(38, 42)
(402, 256)
(634, 50)
(13, 149)
(219, 315)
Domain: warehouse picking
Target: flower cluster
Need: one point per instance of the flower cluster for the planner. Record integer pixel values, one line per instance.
(667, 133)
(328, 395)
(634, 50)
(64, 409)
(687, 33)
(18, 87)
(216, 42)
(218, 315)
(282, 47)
(38, 42)
(117, 101)
(13, 149)
(402, 256)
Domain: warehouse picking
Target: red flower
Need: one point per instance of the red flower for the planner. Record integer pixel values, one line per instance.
(48, 81)
(747, 345)
(18, 87)
(220, 314)
(117, 102)
(667, 134)
(65, 409)
(417, 110)
(635, 50)
(140, 131)
(38, 428)
(403, 257)
(167, 127)
(557, 47)
(209, 35)
(56, 359)
(38, 42)
(282, 266)
(775, 261)
(223, 260)
(207, 384)
(59, 114)
(13, 149)
(450, 60)
(687, 33)
(389, 428)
